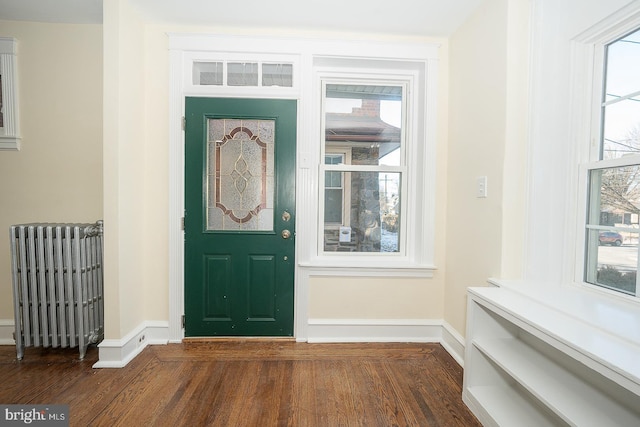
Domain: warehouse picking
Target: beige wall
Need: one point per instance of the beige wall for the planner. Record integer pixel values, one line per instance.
(487, 137)
(401, 297)
(477, 135)
(57, 175)
(471, 142)
(374, 298)
(128, 299)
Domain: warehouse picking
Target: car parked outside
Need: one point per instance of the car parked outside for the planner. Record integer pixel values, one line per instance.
(610, 238)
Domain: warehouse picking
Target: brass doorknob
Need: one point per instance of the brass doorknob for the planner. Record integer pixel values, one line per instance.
(286, 234)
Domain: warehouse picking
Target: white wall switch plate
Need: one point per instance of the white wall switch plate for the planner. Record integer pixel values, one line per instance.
(481, 186)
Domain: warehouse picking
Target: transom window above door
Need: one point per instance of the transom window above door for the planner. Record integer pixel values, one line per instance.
(242, 73)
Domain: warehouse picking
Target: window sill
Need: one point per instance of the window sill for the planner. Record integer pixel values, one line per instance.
(609, 313)
(367, 268)
(9, 143)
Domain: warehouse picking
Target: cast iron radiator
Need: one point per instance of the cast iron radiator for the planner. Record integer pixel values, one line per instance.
(57, 285)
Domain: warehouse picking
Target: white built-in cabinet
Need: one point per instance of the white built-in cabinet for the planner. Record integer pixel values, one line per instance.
(539, 357)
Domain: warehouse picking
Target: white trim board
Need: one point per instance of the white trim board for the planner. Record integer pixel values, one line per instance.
(388, 330)
(453, 342)
(118, 353)
(112, 353)
(7, 328)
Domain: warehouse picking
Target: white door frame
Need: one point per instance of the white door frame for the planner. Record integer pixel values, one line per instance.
(184, 51)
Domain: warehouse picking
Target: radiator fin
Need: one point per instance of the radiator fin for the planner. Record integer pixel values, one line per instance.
(57, 285)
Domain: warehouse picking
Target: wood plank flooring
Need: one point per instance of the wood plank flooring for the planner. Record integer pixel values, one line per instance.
(246, 383)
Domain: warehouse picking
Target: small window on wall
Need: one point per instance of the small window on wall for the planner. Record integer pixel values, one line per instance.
(363, 168)
(9, 128)
(336, 211)
(242, 74)
(613, 212)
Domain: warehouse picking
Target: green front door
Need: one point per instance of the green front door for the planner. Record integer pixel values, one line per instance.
(240, 217)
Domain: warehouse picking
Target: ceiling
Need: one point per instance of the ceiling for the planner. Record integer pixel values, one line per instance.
(63, 11)
(399, 17)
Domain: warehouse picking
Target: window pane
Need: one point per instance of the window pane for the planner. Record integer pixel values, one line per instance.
(242, 74)
(621, 134)
(615, 195)
(334, 159)
(207, 73)
(333, 179)
(367, 119)
(621, 109)
(612, 242)
(333, 206)
(277, 75)
(372, 223)
(623, 66)
(615, 260)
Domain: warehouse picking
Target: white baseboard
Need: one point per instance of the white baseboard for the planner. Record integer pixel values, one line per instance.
(7, 328)
(453, 342)
(388, 330)
(118, 353)
(369, 330)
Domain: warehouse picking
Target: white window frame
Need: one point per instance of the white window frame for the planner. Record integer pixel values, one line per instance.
(10, 131)
(418, 168)
(191, 87)
(589, 58)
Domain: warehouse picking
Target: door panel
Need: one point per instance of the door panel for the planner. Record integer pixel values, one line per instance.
(218, 280)
(240, 217)
(262, 288)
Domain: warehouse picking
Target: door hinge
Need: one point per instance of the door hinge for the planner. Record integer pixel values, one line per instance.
(184, 122)
(182, 223)
(183, 321)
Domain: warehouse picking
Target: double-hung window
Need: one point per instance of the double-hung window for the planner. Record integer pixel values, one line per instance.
(370, 157)
(613, 206)
(363, 166)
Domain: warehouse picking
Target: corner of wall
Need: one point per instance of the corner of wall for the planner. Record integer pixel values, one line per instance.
(117, 353)
(7, 329)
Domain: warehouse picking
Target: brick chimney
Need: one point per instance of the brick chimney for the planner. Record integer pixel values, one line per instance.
(370, 108)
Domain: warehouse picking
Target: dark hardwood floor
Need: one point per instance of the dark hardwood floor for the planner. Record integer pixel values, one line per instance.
(246, 383)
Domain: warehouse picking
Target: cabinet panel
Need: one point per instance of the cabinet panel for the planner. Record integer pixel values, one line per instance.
(520, 373)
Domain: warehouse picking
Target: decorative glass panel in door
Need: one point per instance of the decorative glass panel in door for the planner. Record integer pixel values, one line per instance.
(240, 174)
